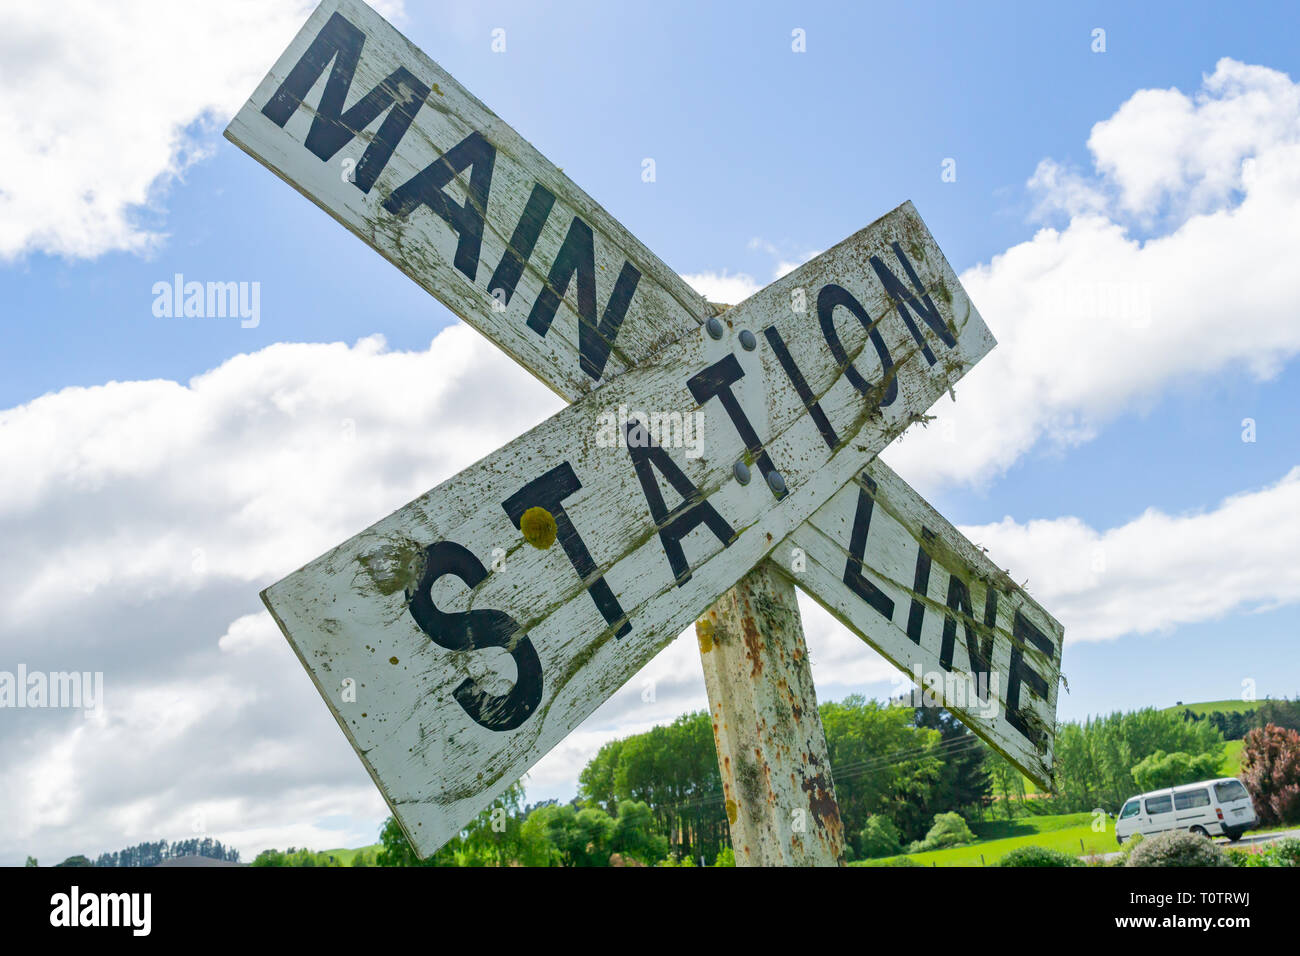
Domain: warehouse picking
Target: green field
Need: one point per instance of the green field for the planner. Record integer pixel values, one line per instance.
(1231, 765)
(1210, 706)
(997, 838)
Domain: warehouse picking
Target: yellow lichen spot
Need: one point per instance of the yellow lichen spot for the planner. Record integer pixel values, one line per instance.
(392, 660)
(704, 634)
(538, 527)
(733, 812)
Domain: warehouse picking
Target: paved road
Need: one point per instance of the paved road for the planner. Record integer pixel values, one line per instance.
(1249, 839)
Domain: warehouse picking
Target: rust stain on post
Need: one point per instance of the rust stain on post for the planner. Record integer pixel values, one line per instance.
(776, 776)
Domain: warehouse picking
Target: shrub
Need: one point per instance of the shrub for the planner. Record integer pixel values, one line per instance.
(1270, 769)
(1037, 856)
(726, 857)
(1285, 852)
(1127, 847)
(1177, 848)
(879, 837)
(949, 830)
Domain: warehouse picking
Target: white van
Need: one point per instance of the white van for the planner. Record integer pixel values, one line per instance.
(1211, 808)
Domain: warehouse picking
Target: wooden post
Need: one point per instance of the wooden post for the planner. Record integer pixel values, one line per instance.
(776, 775)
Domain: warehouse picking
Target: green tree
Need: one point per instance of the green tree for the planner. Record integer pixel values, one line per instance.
(674, 771)
(1281, 713)
(636, 833)
(1159, 770)
(494, 837)
(579, 837)
(879, 837)
(397, 850)
(964, 784)
(881, 763)
(31, 861)
(1095, 759)
(1008, 783)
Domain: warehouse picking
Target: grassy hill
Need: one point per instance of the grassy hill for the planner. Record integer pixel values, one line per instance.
(345, 856)
(1210, 706)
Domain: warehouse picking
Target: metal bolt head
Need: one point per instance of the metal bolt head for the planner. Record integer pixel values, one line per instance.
(741, 471)
(714, 327)
(747, 340)
(776, 482)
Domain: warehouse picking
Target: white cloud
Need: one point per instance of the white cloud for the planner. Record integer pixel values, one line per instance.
(1093, 320)
(106, 104)
(1159, 570)
(725, 288)
(145, 519)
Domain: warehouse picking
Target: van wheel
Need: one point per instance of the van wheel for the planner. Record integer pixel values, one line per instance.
(1232, 835)
(1200, 831)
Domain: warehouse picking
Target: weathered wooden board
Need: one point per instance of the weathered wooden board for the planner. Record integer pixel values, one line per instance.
(362, 122)
(466, 676)
(376, 133)
(886, 564)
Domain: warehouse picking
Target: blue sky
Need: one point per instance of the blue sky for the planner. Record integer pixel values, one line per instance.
(763, 156)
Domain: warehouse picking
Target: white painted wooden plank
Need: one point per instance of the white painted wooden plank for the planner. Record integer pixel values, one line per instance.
(422, 243)
(350, 613)
(330, 167)
(871, 533)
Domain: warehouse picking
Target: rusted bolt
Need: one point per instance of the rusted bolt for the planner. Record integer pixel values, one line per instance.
(538, 527)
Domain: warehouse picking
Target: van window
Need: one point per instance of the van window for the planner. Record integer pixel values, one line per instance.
(1229, 790)
(1160, 804)
(1130, 809)
(1191, 798)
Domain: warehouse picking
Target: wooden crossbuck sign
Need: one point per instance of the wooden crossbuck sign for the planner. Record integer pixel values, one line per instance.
(473, 644)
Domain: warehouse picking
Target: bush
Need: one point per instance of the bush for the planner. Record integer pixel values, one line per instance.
(1127, 847)
(1037, 856)
(1177, 848)
(1284, 852)
(879, 837)
(726, 857)
(949, 829)
(1270, 762)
